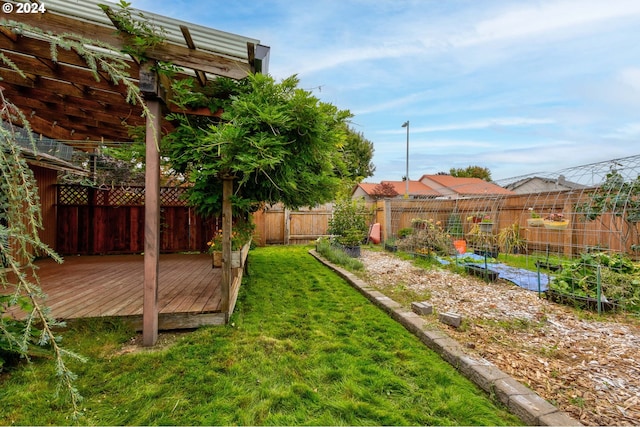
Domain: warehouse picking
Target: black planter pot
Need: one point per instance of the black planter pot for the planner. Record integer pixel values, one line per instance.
(549, 266)
(352, 251)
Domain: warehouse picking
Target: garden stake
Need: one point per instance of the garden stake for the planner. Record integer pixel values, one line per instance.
(486, 271)
(599, 289)
(539, 292)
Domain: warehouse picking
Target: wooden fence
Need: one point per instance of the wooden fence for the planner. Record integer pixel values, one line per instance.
(111, 220)
(608, 231)
(277, 225)
(93, 221)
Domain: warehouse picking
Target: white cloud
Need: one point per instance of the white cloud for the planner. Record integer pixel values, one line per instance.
(548, 18)
(630, 77)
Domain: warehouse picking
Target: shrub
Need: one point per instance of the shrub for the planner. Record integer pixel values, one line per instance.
(430, 237)
(337, 256)
(350, 222)
(404, 232)
(618, 277)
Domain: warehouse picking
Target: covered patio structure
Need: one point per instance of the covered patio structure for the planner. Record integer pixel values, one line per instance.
(65, 99)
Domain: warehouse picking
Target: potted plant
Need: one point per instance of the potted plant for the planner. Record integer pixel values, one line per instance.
(404, 232)
(475, 217)
(486, 225)
(349, 225)
(481, 242)
(351, 241)
(509, 239)
(556, 221)
(240, 241)
(534, 220)
(419, 223)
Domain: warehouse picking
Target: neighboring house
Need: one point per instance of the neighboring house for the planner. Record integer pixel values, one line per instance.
(433, 187)
(417, 190)
(538, 184)
(452, 187)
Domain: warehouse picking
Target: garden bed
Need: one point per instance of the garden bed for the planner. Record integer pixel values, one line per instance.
(585, 364)
(548, 266)
(580, 301)
(482, 272)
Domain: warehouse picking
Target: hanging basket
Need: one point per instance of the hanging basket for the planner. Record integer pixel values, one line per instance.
(556, 225)
(535, 222)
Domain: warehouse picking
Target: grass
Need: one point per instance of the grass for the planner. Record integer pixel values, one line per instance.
(302, 347)
(337, 256)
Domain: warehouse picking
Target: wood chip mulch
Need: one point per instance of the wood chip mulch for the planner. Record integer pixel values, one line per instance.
(588, 366)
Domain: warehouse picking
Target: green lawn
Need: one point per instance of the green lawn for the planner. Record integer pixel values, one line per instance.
(303, 347)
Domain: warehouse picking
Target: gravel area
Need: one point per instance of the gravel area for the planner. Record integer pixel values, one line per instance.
(588, 367)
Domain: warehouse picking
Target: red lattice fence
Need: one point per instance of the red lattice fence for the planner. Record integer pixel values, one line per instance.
(110, 220)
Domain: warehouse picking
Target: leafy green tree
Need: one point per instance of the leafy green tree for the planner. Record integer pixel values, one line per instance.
(277, 141)
(471, 172)
(383, 190)
(357, 153)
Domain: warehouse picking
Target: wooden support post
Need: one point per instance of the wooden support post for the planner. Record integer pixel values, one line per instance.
(387, 219)
(227, 212)
(151, 225)
(287, 226)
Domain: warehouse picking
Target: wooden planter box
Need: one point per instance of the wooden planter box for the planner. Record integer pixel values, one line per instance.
(237, 257)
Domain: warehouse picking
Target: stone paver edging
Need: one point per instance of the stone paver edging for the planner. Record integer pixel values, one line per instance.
(520, 400)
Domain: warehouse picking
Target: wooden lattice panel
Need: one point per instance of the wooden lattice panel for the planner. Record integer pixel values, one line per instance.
(124, 196)
(116, 196)
(172, 196)
(73, 195)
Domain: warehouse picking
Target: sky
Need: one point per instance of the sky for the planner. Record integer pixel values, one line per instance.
(515, 86)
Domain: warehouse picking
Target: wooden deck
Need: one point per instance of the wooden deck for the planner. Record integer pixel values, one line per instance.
(189, 291)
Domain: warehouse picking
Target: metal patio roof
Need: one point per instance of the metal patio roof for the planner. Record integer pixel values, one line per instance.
(62, 98)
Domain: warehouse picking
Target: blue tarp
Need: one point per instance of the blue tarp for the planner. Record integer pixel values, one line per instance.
(524, 278)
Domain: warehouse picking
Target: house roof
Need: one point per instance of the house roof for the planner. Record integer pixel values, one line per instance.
(60, 95)
(560, 182)
(466, 186)
(416, 188)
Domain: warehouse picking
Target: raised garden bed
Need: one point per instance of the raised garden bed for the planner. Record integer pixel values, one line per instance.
(491, 253)
(549, 266)
(479, 271)
(580, 301)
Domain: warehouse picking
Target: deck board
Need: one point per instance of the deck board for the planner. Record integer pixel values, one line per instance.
(112, 286)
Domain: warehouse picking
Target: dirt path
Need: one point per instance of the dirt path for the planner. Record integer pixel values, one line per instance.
(588, 367)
